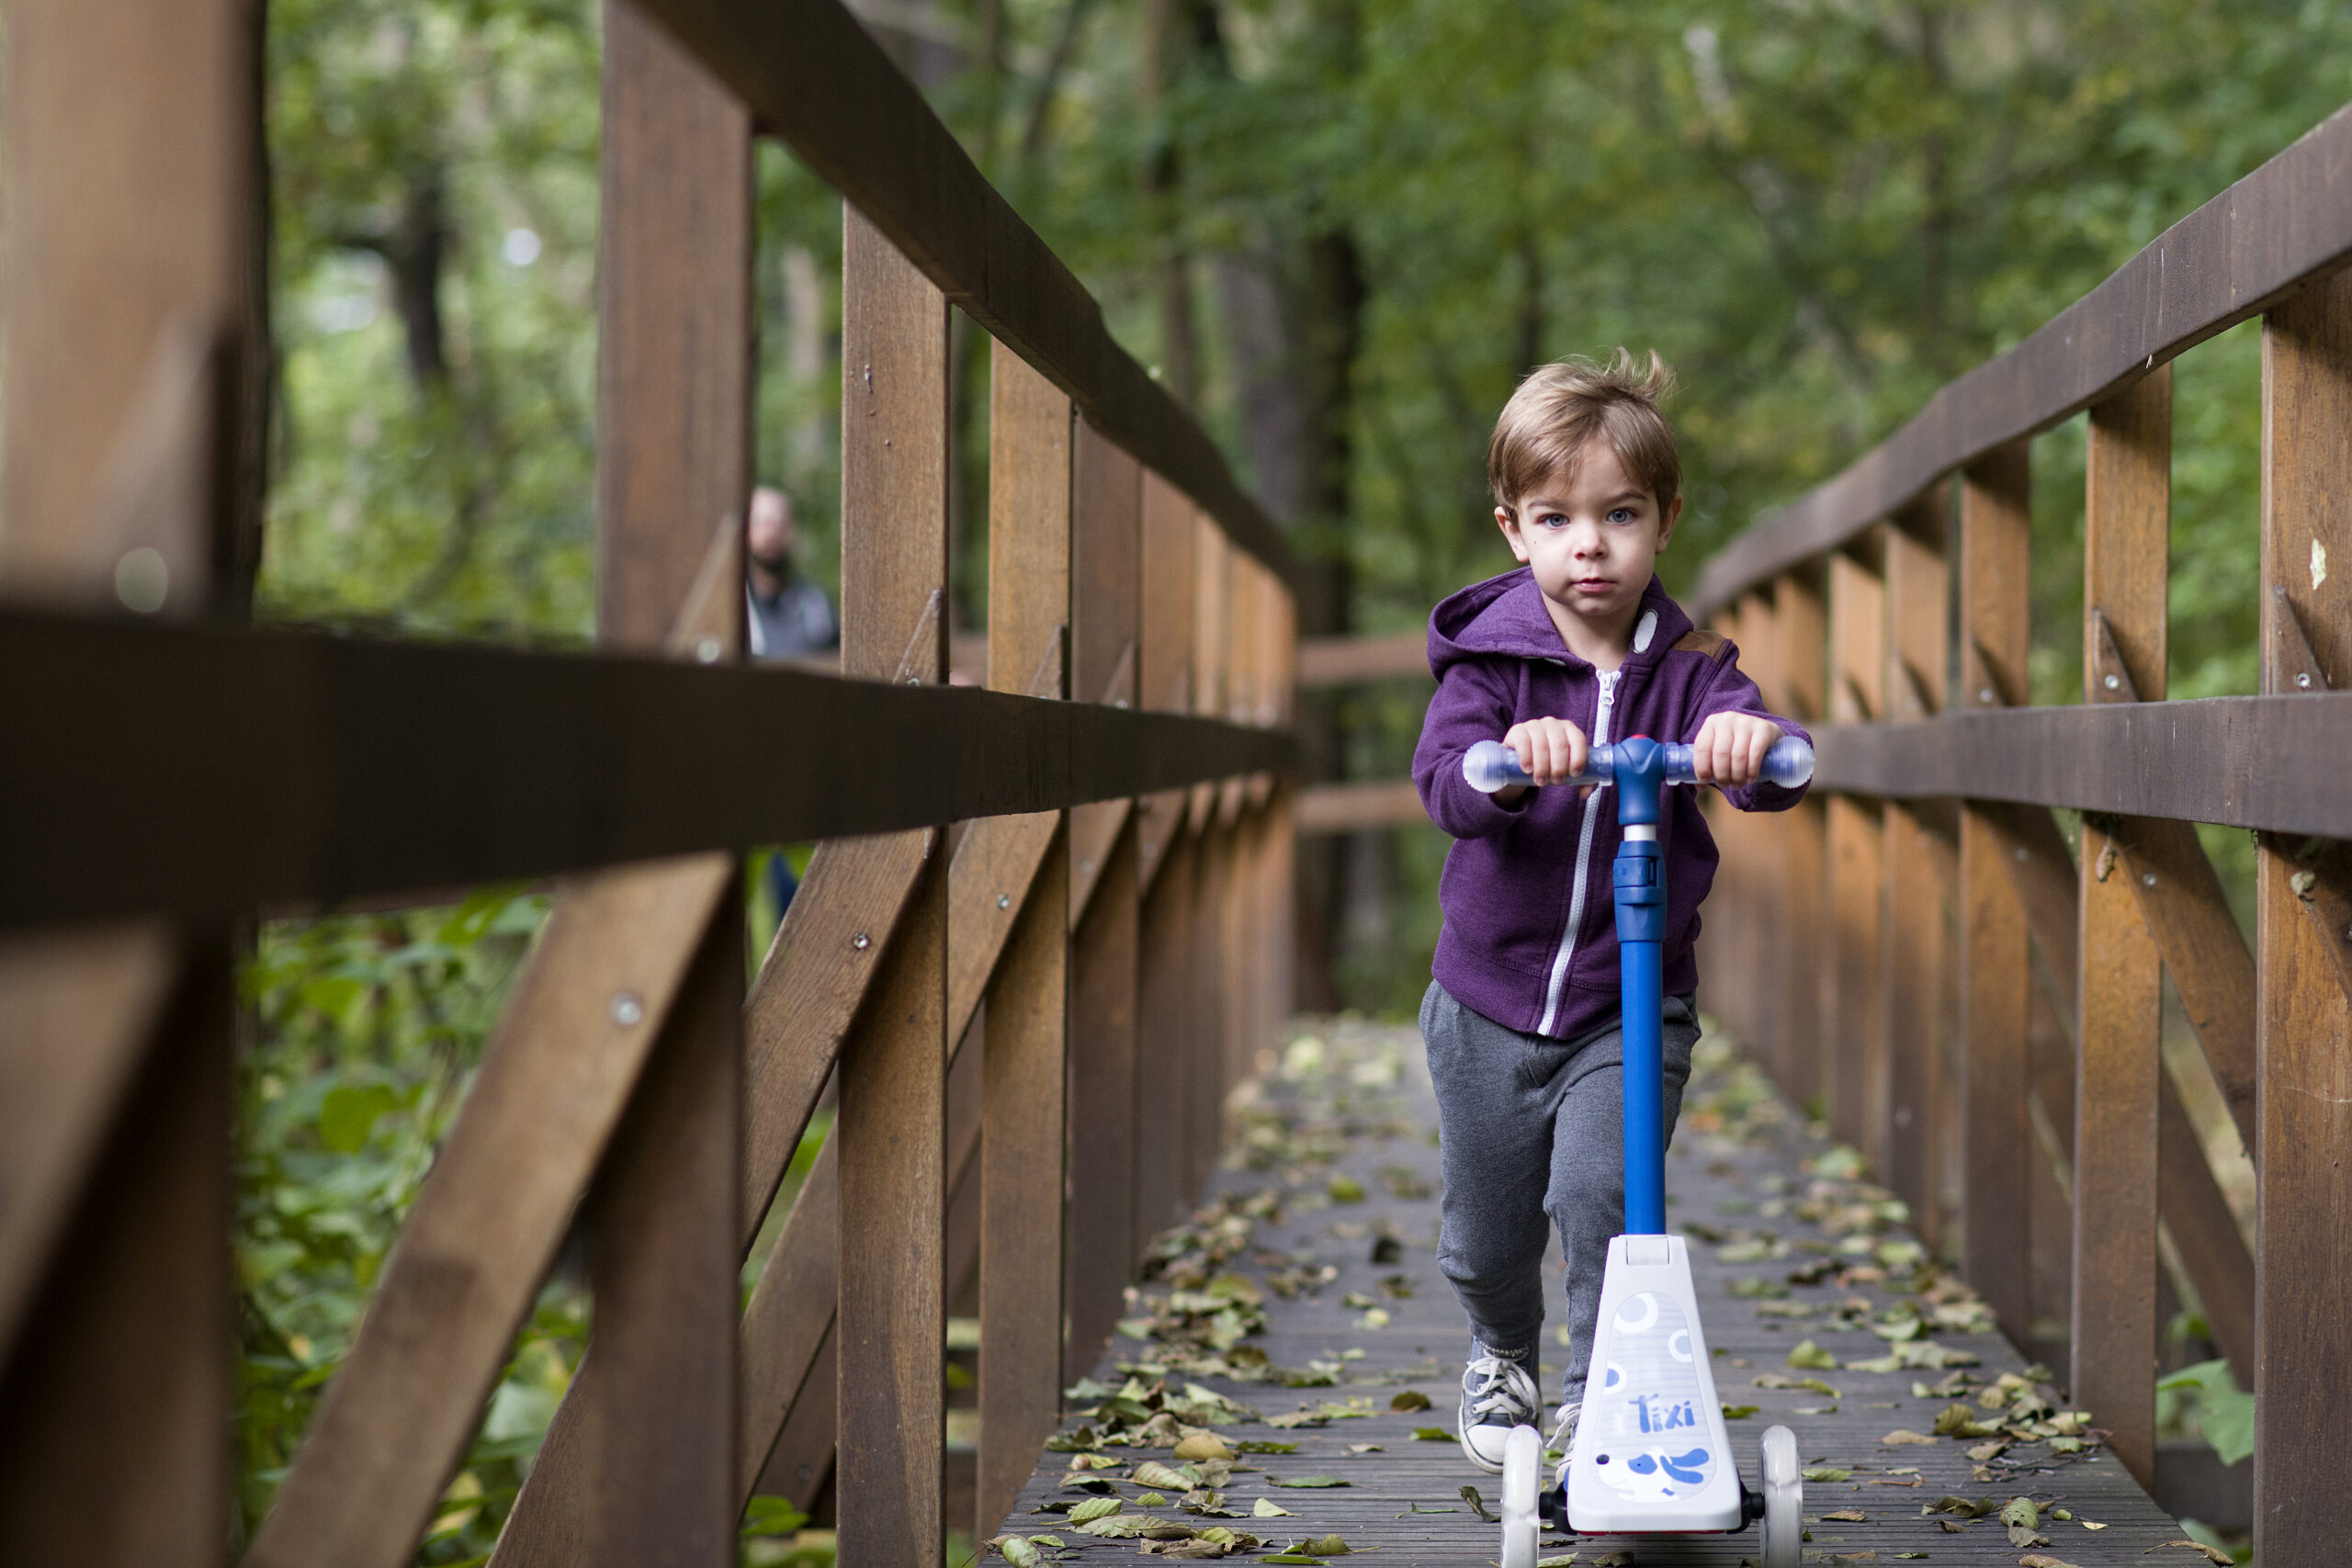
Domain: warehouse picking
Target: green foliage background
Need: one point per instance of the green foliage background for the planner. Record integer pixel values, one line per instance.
(1817, 210)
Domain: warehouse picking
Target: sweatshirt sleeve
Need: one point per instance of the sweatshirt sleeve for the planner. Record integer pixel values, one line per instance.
(1472, 704)
(1730, 691)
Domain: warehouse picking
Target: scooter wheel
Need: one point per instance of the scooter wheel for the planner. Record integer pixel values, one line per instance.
(1784, 1499)
(1522, 1481)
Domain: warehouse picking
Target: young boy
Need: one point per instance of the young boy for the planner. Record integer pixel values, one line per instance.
(1578, 647)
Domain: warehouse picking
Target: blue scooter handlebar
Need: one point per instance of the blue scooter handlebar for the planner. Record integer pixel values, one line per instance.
(1490, 765)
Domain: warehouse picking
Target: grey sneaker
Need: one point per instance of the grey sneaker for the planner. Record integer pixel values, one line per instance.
(1564, 1442)
(1497, 1395)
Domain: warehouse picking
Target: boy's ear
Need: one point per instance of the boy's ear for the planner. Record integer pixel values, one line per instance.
(1667, 520)
(1510, 526)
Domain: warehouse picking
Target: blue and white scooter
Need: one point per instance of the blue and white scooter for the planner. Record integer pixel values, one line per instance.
(1651, 1453)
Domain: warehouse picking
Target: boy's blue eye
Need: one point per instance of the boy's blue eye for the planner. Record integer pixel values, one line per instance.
(1621, 515)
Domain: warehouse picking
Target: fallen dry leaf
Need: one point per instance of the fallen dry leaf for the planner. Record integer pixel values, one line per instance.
(2041, 1560)
(2212, 1553)
(1848, 1516)
(1902, 1435)
(1410, 1399)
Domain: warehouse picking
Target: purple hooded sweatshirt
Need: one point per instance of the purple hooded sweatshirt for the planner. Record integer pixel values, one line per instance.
(1530, 936)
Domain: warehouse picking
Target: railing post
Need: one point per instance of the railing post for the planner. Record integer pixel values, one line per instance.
(1996, 534)
(1856, 1082)
(1165, 860)
(1801, 663)
(1204, 1071)
(892, 1125)
(1028, 1026)
(2117, 1059)
(2302, 1512)
(1916, 868)
(130, 130)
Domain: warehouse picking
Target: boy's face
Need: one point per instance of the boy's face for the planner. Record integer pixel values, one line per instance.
(1591, 537)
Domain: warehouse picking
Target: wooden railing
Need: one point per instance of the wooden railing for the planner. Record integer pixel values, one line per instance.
(1115, 902)
(1976, 1003)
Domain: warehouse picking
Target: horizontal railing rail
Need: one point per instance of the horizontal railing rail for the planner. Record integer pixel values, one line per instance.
(199, 771)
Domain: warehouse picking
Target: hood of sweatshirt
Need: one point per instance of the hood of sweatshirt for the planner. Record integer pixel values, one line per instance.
(1506, 616)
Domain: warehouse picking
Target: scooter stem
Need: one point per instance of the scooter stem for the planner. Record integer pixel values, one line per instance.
(1640, 886)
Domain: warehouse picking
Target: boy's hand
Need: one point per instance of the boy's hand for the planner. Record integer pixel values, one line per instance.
(1730, 748)
(1551, 749)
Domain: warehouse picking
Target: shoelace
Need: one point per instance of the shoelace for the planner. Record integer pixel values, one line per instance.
(1496, 1393)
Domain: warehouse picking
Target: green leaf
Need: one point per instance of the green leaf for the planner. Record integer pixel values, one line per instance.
(1809, 1354)
(1826, 1472)
(1740, 1412)
(1021, 1553)
(1267, 1508)
(771, 1516)
(348, 1114)
(1095, 1508)
(1261, 1446)
(1432, 1435)
(1409, 1400)
(1314, 1480)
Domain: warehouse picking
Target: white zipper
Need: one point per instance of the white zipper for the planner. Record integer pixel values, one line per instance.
(1567, 952)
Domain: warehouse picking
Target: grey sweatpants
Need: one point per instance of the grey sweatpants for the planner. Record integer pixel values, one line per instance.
(1534, 1127)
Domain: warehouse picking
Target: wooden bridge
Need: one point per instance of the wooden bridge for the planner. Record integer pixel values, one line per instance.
(1093, 856)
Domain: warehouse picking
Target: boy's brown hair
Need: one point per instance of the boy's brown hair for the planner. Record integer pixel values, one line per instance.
(1560, 407)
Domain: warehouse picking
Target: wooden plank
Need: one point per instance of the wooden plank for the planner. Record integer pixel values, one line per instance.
(1353, 807)
(1910, 1035)
(2303, 1017)
(1021, 1198)
(2205, 1232)
(150, 103)
(1850, 994)
(674, 343)
(1164, 650)
(1203, 1044)
(891, 1126)
(2249, 246)
(78, 1008)
(657, 1426)
(815, 78)
(1857, 642)
(1912, 958)
(1801, 665)
(1098, 1240)
(1345, 661)
(555, 1078)
(2049, 1207)
(2242, 762)
(1212, 595)
(1030, 604)
(127, 425)
(147, 749)
(1106, 566)
(2181, 902)
(2126, 536)
(120, 1367)
(1163, 1044)
(657, 1429)
(1996, 533)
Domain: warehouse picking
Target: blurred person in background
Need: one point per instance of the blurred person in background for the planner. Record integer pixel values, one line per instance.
(789, 617)
(786, 617)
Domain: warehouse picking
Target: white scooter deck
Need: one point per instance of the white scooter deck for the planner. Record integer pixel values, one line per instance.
(1651, 1451)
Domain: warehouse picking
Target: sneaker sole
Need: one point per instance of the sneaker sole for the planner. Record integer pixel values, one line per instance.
(1491, 1468)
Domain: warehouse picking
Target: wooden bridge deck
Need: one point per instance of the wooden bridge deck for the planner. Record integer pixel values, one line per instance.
(1358, 1126)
